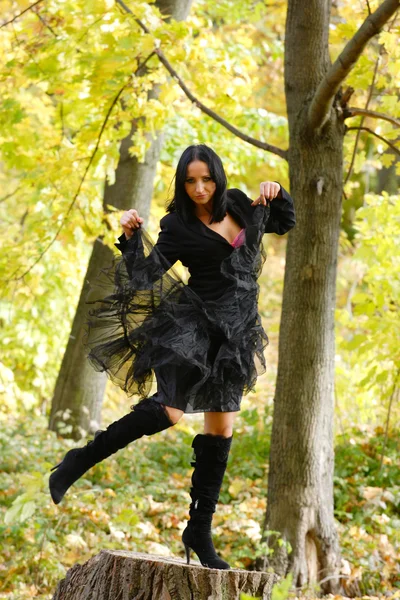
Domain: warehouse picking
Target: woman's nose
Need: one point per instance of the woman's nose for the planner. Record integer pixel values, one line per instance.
(199, 186)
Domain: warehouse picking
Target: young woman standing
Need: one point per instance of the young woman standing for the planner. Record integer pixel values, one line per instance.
(203, 340)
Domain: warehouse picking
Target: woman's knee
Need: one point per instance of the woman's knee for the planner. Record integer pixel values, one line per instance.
(220, 431)
(219, 423)
(174, 414)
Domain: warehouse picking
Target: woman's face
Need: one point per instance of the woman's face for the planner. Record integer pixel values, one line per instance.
(198, 183)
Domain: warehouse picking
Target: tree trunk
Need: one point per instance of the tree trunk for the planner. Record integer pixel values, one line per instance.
(300, 487)
(79, 390)
(114, 575)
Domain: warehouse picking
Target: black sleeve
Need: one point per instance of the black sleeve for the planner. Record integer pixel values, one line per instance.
(167, 242)
(282, 217)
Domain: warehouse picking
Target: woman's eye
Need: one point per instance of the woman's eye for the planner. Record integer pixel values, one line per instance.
(192, 180)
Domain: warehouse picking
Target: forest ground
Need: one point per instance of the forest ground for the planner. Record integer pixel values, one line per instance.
(138, 499)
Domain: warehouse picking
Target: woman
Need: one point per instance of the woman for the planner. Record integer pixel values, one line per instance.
(203, 341)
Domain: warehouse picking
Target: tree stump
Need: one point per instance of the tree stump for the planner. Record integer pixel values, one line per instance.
(120, 575)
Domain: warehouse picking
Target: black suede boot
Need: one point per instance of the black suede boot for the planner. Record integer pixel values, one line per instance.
(211, 457)
(147, 417)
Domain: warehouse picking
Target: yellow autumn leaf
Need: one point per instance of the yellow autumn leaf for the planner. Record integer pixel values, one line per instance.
(236, 487)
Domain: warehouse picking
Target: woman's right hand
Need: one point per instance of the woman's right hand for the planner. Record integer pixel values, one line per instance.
(130, 220)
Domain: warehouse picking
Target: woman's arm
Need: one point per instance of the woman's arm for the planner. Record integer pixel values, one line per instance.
(166, 242)
(160, 256)
(282, 216)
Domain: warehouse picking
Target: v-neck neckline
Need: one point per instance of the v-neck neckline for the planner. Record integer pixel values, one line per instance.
(232, 213)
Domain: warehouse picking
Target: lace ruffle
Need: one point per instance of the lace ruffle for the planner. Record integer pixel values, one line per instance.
(143, 317)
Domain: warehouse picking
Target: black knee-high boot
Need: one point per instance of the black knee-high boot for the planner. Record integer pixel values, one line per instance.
(211, 457)
(147, 417)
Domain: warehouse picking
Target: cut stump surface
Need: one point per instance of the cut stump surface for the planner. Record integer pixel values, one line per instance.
(120, 575)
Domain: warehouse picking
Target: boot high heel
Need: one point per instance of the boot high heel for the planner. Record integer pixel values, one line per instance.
(202, 544)
(147, 417)
(211, 456)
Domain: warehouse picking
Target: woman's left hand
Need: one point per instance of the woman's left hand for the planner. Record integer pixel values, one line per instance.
(268, 191)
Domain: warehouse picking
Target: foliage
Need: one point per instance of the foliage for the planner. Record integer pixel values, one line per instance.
(137, 500)
(368, 316)
(367, 501)
(367, 505)
(374, 78)
(36, 325)
(280, 591)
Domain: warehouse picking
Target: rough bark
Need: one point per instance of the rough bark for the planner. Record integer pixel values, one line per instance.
(300, 487)
(79, 390)
(119, 575)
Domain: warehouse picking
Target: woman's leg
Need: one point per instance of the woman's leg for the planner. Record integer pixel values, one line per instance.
(174, 414)
(211, 451)
(219, 423)
(146, 418)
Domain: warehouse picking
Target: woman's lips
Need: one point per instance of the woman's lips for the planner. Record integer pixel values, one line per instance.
(203, 196)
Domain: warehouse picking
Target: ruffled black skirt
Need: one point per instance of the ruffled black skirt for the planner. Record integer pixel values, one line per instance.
(145, 323)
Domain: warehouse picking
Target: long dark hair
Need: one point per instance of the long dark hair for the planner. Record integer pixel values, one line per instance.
(181, 203)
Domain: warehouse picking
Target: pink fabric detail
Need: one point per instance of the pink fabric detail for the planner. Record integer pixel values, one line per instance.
(239, 239)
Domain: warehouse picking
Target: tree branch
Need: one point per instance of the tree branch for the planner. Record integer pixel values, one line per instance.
(214, 115)
(4, 198)
(113, 103)
(320, 105)
(353, 111)
(392, 146)
(203, 107)
(371, 90)
(91, 158)
(39, 16)
(21, 13)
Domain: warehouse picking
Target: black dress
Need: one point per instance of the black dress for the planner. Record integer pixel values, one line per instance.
(203, 341)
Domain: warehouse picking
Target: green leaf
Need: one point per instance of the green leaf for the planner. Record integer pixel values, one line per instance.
(280, 591)
(21, 509)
